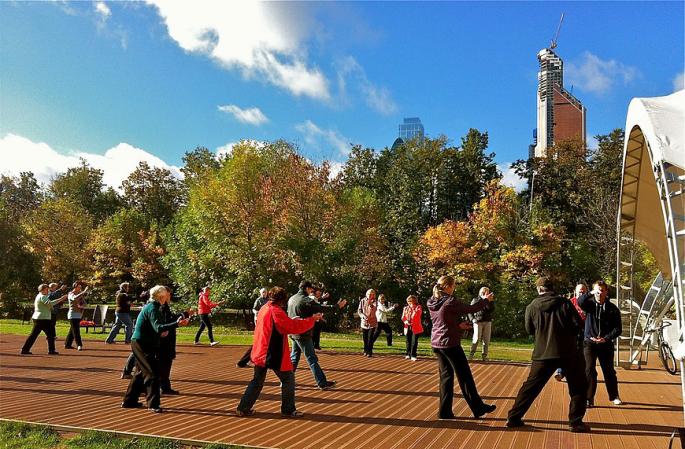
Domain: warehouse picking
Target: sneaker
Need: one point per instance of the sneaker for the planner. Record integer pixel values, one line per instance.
(244, 413)
(126, 375)
(407, 357)
(447, 418)
(80, 348)
(328, 385)
(155, 409)
(53, 353)
(487, 408)
(515, 422)
(171, 392)
(26, 353)
(413, 359)
(369, 355)
(240, 365)
(294, 414)
(617, 401)
(214, 343)
(196, 343)
(580, 427)
(109, 342)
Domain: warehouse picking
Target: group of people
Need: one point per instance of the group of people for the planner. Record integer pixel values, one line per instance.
(569, 337)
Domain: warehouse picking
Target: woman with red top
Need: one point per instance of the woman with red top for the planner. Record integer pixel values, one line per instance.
(270, 350)
(411, 317)
(581, 289)
(204, 308)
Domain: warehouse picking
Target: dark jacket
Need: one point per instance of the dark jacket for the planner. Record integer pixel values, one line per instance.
(601, 320)
(167, 345)
(446, 313)
(149, 325)
(301, 305)
(482, 315)
(555, 324)
(123, 302)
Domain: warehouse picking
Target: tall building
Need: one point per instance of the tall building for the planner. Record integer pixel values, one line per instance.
(561, 116)
(410, 128)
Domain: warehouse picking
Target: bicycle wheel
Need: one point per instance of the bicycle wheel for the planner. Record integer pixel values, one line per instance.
(667, 358)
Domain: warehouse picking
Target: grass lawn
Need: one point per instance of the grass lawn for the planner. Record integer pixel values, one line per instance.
(16, 435)
(510, 350)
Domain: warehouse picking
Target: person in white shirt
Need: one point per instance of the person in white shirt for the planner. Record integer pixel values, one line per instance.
(76, 307)
(382, 316)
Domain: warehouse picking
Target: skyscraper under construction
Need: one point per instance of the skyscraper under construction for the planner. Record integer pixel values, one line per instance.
(561, 116)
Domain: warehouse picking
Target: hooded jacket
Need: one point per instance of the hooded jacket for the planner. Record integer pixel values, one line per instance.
(555, 324)
(270, 347)
(483, 315)
(602, 320)
(446, 313)
(204, 304)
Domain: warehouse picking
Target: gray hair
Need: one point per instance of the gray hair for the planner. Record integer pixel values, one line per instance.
(263, 290)
(42, 287)
(124, 285)
(156, 291)
(53, 284)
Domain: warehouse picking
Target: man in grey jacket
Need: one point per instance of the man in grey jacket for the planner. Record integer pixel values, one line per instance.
(302, 305)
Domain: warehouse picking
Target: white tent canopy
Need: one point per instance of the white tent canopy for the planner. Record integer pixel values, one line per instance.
(652, 204)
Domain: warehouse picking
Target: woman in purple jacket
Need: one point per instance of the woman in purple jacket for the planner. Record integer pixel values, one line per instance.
(446, 313)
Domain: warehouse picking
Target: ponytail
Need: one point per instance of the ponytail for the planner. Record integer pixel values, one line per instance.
(443, 283)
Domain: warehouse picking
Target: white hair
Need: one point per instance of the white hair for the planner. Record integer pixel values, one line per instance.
(156, 291)
(262, 290)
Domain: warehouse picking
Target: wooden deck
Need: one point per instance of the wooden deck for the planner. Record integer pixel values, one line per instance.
(383, 402)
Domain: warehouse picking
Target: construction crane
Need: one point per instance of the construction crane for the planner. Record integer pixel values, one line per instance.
(553, 45)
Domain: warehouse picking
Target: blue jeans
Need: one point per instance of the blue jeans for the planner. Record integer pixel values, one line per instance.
(123, 319)
(306, 345)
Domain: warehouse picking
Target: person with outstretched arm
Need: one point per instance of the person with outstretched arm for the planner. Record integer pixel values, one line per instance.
(42, 319)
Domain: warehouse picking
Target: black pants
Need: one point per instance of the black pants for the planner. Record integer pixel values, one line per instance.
(255, 386)
(412, 342)
(451, 361)
(54, 323)
(540, 373)
(39, 326)
(130, 363)
(384, 327)
(165, 362)
(316, 334)
(146, 377)
(368, 335)
(74, 333)
(245, 359)
(604, 352)
(204, 322)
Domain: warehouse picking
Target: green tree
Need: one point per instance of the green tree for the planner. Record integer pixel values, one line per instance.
(198, 164)
(20, 195)
(84, 186)
(155, 192)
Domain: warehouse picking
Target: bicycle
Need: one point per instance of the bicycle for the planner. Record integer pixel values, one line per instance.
(665, 351)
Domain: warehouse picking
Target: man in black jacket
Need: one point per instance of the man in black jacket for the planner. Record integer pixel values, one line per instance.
(554, 323)
(167, 348)
(602, 328)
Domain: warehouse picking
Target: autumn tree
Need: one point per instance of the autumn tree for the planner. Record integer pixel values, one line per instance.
(155, 192)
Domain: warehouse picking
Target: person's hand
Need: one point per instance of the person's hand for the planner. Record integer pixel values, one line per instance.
(465, 326)
(164, 334)
(326, 295)
(596, 291)
(490, 296)
(85, 289)
(183, 322)
(317, 316)
(598, 339)
(342, 303)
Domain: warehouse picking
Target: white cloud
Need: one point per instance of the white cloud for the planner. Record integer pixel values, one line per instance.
(262, 40)
(376, 97)
(592, 74)
(251, 116)
(21, 154)
(102, 10)
(679, 82)
(511, 179)
(227, 149)
(318, 137)
(336, 168)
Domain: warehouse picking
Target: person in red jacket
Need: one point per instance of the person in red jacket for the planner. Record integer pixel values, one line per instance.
(204, 308)
(411, 317)
(270, 350)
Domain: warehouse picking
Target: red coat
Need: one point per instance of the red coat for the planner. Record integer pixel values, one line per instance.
(270, 347)
(204, 305)
(413, 316)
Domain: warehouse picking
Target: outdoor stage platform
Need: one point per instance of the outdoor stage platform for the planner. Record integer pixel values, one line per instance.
(383, 402)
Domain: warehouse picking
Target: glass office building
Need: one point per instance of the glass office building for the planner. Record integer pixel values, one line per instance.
(410, 128)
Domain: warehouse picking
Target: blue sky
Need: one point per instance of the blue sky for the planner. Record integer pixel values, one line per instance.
(116, 82)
